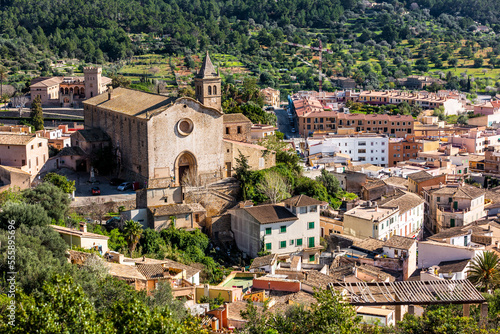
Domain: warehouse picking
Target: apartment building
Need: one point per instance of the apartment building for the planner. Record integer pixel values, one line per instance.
(410, 215)
(27, 152)
(424, 100)
(453, 205)
(369, 148)
(370, 220)
(282, 230)
(475, 141)
(492, 159)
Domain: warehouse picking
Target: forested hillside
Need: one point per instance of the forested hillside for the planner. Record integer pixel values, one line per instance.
(484, 11)
(91, 29)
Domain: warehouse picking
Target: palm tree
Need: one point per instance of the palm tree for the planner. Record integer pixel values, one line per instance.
(484, 270)
(133, 232)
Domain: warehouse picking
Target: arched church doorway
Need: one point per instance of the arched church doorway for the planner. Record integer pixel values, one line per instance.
(185, 168)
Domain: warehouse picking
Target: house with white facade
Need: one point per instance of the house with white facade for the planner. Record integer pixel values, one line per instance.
(454, 205)
(290, 229)
(411, 212)
(366, 148)
(370, 220)
(82, 238)
(432, 253)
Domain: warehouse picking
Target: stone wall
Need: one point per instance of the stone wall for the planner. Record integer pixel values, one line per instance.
(238, 131)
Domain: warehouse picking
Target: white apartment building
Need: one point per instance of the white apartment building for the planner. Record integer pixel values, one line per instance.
(454, 205)
(372, 149)
(283, 230)
(370, 220)
(411, 213)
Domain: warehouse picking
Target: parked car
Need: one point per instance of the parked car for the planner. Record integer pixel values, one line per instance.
(116, 181)
(96, 191)
(124, 186)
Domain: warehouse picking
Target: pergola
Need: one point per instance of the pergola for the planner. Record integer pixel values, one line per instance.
(412, 293)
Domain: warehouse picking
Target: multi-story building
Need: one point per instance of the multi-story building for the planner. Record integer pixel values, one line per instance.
(410, 215)
(290, 229)
(419, 82)
(453, 205)
(271, 97)
(66, 91)
(27, 152)
(403, 150)
(417, 181)
(370, 220)
(475, 141)
(487, 108)
(363, 148)
(492, 159)
(425, 100)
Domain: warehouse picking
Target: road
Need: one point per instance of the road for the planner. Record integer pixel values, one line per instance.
(284, 123)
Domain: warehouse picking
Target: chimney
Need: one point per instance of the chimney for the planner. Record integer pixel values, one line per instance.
(120, 258)
(83, 227)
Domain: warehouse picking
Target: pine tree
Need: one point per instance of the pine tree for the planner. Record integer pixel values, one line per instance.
(37, 113)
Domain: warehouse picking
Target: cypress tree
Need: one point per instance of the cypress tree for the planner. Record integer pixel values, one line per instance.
(37, 113)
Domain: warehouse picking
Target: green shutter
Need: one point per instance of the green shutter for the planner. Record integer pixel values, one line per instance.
(282, 229)
(310, 225)
(268, 230)
(268, 246)
(282, 244)
(298, 242)
(311, 258)
(311, 242)
(452, 222)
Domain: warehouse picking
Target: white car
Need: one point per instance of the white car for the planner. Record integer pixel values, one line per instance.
(124, 186)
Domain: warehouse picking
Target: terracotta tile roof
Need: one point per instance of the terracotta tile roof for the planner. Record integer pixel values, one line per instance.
(48, 82)
(396, 181)
(131, 102)
(404, 200)
(175, 209)
(124, 271)
(399, 242)
(153, 271)
(15, 138)
(190, 271)
(270, 213)
(94, 135)
(262, 261)
(465, 191)
(71, 151)
(420, 176)
(235, 118)
(302, 200)
(456, 266)
(258, 147)
(14, 170)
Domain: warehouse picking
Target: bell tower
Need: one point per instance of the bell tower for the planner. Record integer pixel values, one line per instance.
(208, 85)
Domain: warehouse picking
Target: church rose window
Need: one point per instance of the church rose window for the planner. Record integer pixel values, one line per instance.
(185, 126)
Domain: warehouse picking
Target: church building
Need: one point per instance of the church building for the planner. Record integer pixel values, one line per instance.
(159, 140)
